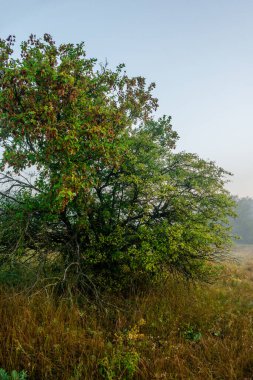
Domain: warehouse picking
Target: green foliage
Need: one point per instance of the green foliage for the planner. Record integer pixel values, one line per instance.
(122, 359)
(17, 275)
(122, 365)
(243, 224)
(13, 376)
(109, 196)
(192, 334)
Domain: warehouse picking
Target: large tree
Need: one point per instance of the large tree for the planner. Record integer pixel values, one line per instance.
(109, 194)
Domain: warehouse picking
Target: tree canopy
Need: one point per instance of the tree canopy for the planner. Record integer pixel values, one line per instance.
(109, 193)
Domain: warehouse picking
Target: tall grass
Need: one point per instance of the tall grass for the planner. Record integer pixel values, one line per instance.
(175, 331)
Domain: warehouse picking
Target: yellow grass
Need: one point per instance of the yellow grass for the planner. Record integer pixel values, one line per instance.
(175, 331)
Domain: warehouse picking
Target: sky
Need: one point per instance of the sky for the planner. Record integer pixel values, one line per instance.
(198, 52)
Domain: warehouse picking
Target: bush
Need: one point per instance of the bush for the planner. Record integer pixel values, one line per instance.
(110, 199)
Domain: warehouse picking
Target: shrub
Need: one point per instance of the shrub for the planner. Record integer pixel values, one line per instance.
(110, 198)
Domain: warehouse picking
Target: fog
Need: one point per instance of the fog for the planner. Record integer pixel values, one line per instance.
(243, 223)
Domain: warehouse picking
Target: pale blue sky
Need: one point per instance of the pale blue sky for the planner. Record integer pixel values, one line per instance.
(199, 53)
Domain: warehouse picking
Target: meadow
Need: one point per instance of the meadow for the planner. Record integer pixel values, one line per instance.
(177, 330)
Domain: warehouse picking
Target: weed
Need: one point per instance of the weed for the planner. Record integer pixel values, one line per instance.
(124, 359)
(13, 376)
(173, 331)
(192, 334)
(122, 365)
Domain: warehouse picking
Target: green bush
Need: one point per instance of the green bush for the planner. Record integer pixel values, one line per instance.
(110, 198)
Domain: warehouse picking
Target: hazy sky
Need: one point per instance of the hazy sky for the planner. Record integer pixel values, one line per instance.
(199, 53)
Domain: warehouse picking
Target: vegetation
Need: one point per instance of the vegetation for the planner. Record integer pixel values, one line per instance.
(109, 199)
(171, 331)
(101, 223)
(243, 224)
(13, 376)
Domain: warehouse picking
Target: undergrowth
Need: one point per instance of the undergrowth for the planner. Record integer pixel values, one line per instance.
(174, 331)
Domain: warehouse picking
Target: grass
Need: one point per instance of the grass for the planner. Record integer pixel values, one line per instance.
(175, 331)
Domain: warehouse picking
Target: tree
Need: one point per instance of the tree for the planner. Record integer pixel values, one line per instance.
(243, 224)
(109, 194)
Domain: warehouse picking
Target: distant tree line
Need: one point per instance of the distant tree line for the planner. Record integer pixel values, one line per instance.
(243, 223)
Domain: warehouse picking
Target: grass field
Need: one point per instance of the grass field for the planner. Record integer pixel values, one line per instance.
(175, 331)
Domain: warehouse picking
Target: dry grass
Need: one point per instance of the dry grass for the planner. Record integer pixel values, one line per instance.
(172, 332)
